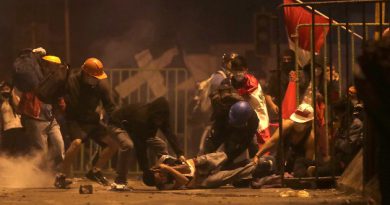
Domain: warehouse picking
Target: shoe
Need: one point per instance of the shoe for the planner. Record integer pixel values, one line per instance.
(97, 177)
(311, 170)
(120, 187)
(61, 182)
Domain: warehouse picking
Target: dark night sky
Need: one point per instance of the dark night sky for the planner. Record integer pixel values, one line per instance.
(115, 30)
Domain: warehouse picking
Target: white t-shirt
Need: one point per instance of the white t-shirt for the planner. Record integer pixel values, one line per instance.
(10, 120)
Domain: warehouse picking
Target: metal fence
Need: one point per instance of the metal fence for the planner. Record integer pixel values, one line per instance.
(177, 98)
(344, 43)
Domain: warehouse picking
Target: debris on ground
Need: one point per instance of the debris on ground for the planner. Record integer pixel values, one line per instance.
(291, 193)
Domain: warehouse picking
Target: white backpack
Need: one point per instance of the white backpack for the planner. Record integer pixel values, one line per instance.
(203, 104)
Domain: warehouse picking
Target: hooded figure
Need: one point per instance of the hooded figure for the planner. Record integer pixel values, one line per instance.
(142, 123)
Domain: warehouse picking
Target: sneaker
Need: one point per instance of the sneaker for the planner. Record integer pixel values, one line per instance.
(61, 182)
(120, 187)
(97, 177)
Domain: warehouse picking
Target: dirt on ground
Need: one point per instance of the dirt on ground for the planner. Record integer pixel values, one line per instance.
(148, 195)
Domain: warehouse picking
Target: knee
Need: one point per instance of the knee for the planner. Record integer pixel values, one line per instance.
(126, 145)
(77, 142)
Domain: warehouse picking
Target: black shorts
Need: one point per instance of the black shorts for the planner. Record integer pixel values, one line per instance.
(84, 131)
(15, 142)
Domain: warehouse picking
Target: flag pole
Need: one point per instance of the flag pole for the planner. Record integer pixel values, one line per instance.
(335, 22)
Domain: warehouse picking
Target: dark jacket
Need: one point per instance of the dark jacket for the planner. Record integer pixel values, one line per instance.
(137, 120)
(236, 140)
(82, 99)
(273, 84)
(221, 100)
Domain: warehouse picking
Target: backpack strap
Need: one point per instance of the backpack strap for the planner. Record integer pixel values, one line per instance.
(222, 73)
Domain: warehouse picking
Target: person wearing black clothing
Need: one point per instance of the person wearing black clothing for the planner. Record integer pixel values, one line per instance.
(288, 73)
(348, 137)
(85, 89)
(13, 140)
(234, 126)
(142, 121)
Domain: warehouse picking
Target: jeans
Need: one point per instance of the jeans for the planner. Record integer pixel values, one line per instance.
(46, 138)
(126, 144)
(209, 173)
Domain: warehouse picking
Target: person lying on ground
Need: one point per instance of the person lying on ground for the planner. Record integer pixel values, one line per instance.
(204, 171)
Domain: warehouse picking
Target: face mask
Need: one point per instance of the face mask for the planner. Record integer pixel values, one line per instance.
(90, 80)
(239, 75)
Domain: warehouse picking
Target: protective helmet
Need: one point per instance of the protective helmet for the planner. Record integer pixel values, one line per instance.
(52, 59)
(226, 58)
(239, 113)
(94, 67)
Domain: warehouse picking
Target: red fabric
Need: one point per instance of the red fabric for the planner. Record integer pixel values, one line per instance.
(320, 111)
(263, 136)
(293, 16)
(29, 105)
(289, 104)
(251, 84)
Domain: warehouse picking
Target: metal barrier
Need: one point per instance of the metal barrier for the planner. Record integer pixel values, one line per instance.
(350, 53)
(178, 100)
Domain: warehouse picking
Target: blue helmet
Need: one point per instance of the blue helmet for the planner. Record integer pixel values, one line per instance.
(239, 113)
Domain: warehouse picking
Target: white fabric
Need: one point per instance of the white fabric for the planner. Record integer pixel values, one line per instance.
(257, 101)
(10, 120)
(305, 108)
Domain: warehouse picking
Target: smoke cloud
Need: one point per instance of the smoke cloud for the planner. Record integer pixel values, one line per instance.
(120, 50)
(24, 172)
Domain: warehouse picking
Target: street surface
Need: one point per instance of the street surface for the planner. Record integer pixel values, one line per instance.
(148, 195)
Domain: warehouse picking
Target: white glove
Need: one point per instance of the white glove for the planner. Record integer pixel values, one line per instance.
(39, 50)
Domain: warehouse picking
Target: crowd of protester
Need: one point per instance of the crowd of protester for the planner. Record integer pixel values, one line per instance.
(237, 147)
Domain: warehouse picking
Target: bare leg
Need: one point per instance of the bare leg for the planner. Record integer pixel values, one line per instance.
(70, 155)
(107, 152)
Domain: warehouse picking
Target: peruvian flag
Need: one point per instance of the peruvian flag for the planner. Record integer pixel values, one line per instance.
(294, 16)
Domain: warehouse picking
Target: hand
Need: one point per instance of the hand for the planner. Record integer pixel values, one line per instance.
(39, 50)
(256, 159)
(275, 108)
(182, 158)
(293, 76)
(163, 166)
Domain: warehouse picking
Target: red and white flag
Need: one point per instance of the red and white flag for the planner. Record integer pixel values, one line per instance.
(294, 16)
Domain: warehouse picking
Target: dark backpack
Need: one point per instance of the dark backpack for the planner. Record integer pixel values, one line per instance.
(47, 80)
(53, 84)
(27, 72)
